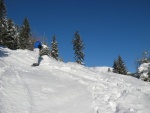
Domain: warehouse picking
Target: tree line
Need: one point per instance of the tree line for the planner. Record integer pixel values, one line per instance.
(16, 37)
(13, 36)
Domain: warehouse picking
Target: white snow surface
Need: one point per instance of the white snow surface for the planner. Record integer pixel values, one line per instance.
(57, 87)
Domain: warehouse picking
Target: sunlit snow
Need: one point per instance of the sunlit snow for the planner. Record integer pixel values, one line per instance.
(57, 87)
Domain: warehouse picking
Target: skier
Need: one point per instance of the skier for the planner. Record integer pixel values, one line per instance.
(37, 48)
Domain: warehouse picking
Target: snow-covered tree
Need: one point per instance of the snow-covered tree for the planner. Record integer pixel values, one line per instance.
(45, 50)
(11, 37)
(145, 58)
(143, 72)
(3, 22)
(26, 41)
(54, 48)
(119, 66)
(78, 47)
(17, 42)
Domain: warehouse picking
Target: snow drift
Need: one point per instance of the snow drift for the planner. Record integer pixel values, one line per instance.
(57, 87)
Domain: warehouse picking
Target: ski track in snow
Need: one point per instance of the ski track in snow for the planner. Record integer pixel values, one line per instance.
(11, 86)
(110, 94)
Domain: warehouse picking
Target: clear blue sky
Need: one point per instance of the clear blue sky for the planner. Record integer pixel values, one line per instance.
(108, 27)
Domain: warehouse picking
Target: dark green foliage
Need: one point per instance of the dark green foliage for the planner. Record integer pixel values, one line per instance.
(25, 39)
(54, 48)
(10, 35)
(17, 43)
(3, 12)
(3, 31)
(11, 38)
(115, 68)
(78, 47)
(3, 22)
(119, 66)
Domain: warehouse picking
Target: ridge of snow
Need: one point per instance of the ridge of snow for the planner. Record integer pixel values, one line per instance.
(57, 87)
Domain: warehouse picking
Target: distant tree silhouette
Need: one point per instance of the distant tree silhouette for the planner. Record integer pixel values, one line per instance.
(115, 68)
(119, 66)
(78, 47)
(54, 48)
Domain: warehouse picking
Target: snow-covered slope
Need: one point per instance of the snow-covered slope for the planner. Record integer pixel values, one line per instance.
(56, 87)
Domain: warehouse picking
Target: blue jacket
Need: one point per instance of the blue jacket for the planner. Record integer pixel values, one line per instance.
(37, 44)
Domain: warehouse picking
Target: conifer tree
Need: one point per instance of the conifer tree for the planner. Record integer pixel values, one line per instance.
(78, 47)
(26, 41)
(3, 12)
(10, 39)
(17, 42)
(54, 48)
(115, 67)
(45, 50)
(3, 22)
(119, 66)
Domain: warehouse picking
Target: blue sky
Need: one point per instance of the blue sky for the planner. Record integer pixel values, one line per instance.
(108, 27)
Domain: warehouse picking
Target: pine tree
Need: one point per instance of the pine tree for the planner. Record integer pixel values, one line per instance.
(78, 47)
(115, 67)
(3, 12)
(54, 48)
(45, 50)
(10, 39)
(119, 66)
(143, 68)
(17, 42)
(3, 22)
(26, 41)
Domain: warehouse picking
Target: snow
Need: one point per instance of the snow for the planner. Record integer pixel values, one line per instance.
(44, 46)
(143, 70)
(57, 87)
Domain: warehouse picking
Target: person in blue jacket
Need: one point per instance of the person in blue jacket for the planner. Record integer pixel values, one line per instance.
(37, 47)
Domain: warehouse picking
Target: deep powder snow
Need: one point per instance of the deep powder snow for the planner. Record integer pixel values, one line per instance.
(57, 87)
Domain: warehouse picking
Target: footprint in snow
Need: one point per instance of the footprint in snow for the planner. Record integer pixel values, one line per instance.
(47, 90)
